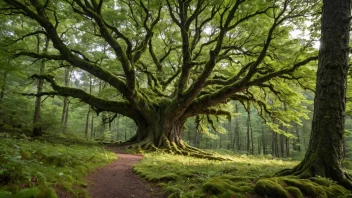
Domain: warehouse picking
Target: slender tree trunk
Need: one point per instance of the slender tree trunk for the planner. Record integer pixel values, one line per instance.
(248, 129)
(273, 144)
(237, 131)
(259, 145)
(92, 131)
(282, 146)
(287, 147)
(37, 128)
(117, 124)
(304, 137)
(125, 130)
(263, 141)
(325, 151)
(297, 145)
(3, 86)
(65, 108)
(86, 131)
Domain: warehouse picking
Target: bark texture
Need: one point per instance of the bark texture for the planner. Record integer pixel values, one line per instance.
(325, 152)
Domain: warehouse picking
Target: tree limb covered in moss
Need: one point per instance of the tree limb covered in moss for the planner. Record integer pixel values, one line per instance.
(121, 107)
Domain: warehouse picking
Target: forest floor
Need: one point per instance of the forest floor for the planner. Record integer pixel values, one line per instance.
(117, 180)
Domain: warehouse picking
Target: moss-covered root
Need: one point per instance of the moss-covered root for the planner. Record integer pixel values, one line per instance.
(298, 188)
(270, 188)
(180, 148)
(306, 170)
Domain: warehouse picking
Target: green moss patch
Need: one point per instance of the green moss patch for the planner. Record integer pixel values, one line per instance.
(244, 176)
(270, 188)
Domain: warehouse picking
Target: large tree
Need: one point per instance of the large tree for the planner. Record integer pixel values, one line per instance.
(168, 60)
(324, 156)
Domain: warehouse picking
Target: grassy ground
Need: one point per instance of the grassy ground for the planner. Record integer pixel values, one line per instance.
(243, 176)
(44, 169)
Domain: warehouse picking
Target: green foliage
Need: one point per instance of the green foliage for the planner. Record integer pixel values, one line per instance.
(39, 166)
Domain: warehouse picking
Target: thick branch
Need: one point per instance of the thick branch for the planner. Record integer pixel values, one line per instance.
(209, 100)
(121, 107)
(66, 53)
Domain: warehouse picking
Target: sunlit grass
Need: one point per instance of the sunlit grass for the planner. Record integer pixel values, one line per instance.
(183, 176)
(38, 169)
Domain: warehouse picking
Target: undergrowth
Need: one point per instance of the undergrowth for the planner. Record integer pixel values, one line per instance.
(243, 176)
(46, 169)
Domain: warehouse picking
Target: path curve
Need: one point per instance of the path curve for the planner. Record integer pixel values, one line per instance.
(117, 180)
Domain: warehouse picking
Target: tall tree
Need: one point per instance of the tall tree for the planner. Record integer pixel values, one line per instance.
(324, 156)
(66, 106)
(175, 59)
(37, 128)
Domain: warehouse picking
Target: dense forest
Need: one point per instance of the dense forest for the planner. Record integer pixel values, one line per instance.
(249, 78)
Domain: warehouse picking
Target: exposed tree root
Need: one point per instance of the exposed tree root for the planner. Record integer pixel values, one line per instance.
(171, 147)
(308, 170)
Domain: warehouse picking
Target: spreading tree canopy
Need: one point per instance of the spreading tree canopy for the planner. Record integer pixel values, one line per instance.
(168, 60)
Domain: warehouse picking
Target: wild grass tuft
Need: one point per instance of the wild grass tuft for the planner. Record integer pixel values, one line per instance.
(37, 167)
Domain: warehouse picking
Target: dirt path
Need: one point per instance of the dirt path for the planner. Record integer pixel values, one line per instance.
(117, 180)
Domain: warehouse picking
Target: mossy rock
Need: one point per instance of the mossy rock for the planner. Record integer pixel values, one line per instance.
(294, 192)
(215, 186)
(220, 186)
(25, 155)
(270, 188)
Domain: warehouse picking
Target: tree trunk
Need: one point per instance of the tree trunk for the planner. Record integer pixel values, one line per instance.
(297, 142)
(304, 137)
(273, 144)
(65, 108)
(37, 128)
(3, 85)
(117, 124)
(86, 131)
(263, 141)
(87, 124)
(282, 146)
(160, 132)
(237, 131)
(325, 151)
(92, 132)
(248, 129)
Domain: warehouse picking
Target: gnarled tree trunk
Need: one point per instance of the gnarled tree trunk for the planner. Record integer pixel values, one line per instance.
(163, 133)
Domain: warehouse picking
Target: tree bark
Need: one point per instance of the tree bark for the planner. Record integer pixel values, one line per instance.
(65, 108)
(37, 128)
(325, 151)
(86, 130)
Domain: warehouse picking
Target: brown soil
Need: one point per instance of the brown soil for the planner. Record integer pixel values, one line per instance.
(117, 180)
